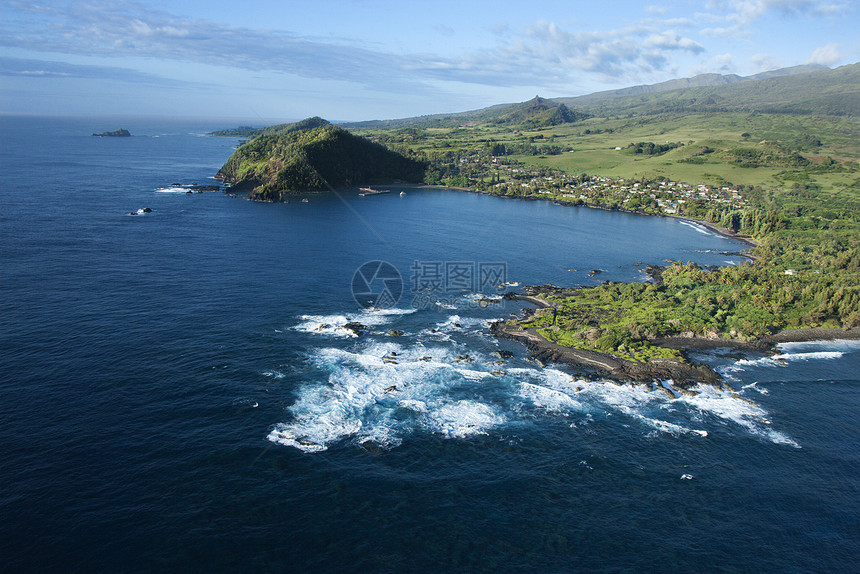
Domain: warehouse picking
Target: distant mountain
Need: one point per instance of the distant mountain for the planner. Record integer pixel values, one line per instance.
(240, 132)
(791, 90)
(251, 132)
(807, 89)
(535, 113)
(312, 155)
(305, 124)
(700, 81)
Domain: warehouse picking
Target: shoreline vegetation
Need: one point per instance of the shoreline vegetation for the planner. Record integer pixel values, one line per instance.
(782, 180)
(666, 356)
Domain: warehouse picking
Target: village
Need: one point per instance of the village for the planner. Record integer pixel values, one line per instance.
(509, 177)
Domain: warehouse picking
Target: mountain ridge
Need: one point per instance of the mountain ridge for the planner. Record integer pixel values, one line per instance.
(836, 91)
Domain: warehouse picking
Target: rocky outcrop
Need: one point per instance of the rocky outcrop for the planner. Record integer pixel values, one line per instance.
(120, 133)
(313, 156)
(594, 363)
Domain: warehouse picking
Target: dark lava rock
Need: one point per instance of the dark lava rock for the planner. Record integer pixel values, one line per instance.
(356, 327)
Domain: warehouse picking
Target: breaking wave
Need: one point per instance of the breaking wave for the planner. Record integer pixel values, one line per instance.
(382, 390)
(701, 229)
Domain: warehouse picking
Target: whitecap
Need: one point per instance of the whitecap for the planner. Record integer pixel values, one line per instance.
(464, 418)
(780, 360)
(843, 345)
(548, 399)
(754, 386)
(729, 406)
(458, 322)
(700, 228)
(810, 356)
(381, 393)
(334, 325)
(173, 189)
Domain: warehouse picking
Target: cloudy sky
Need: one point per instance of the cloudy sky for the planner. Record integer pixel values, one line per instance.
(272, 60)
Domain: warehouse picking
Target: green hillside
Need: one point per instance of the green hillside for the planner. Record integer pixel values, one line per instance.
(535, 113)
(797, 90)
(774, 159)
(828, 92)
(312, 155)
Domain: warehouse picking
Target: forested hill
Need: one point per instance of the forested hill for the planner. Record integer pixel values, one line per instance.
(313, 155)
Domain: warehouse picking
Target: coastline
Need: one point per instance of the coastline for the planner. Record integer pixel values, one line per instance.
(591, 364)
(721, 231)
(683, 373)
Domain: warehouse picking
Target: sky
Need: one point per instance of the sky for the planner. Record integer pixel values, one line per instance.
(282, 60)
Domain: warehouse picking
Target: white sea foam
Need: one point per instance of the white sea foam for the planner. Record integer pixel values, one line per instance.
(551, 400)
(479, 297)
(781, 360)
(382, 389)
(728, 406)
(701, 229)
(464, 322)
(173, 189)
(464, 418)
(754, 386)
(383, 392)
(636, 400)
(334, 325)
(809, 356)
(840, 345)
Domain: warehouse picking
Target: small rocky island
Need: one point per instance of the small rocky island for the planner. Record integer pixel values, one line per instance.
(312, 155)
(120, 133)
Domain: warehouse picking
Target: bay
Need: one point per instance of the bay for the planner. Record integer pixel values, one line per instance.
(179, 392)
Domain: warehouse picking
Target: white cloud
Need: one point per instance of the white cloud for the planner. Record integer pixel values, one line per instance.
(828, 55)
(723, 63)
(733, 17)
(765, 62)
(670, 40)
(544, 53)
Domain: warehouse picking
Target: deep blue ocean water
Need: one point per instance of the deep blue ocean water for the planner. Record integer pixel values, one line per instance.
(178, 391)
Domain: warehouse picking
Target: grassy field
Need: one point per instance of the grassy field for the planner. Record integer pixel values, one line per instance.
(800, 175)
(594, 142)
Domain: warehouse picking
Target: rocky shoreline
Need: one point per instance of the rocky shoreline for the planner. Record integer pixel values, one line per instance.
(683, 372)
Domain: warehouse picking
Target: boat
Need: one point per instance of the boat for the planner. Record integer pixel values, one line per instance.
(402, 194)
(363, 191)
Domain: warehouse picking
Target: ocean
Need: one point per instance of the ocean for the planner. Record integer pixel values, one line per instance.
(183, 389)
